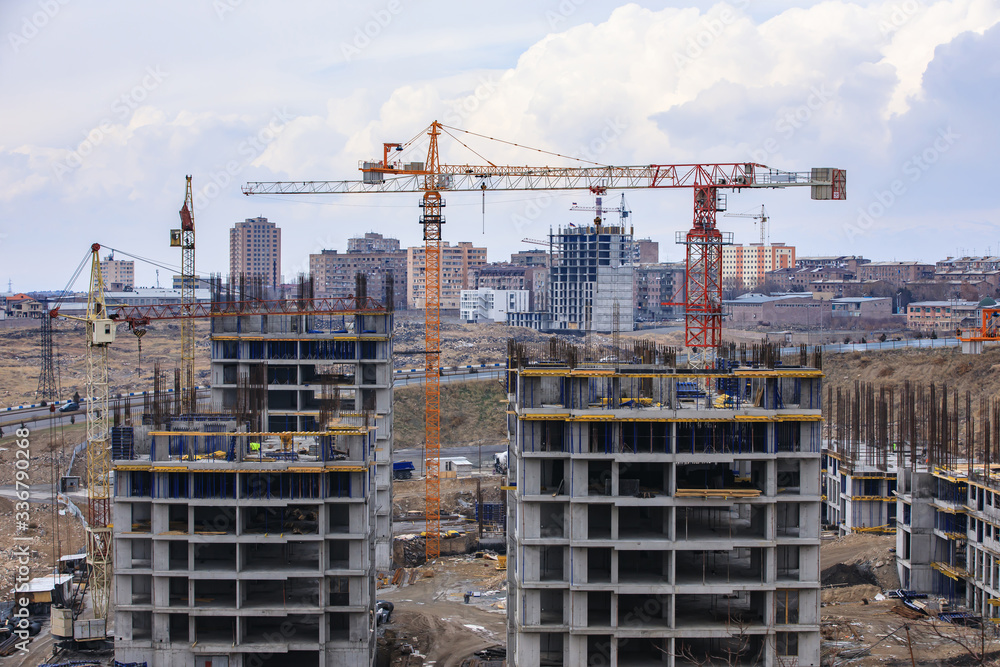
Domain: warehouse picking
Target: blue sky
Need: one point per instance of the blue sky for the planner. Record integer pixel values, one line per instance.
(108, 105)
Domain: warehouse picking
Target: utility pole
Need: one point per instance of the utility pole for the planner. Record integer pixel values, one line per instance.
(48, 381)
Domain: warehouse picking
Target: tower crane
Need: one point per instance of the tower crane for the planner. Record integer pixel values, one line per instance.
(184, 239)
(101, 322)
(703, 307)
(622, 210)
(762, 217)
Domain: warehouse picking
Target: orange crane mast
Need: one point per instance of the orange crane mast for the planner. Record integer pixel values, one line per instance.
(704, 241)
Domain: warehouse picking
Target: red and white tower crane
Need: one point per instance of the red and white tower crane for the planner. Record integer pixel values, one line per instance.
(704, 241)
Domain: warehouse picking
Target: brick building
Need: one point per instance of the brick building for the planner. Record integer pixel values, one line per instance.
(459, 265)
(896, 274)
(375, 256)
(747, 265)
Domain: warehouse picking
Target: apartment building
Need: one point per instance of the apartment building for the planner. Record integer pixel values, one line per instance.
(897, 274)
(493, 305)
(255, 250)
(591, 278)
(379, 258)
(655, 285)
(745, 266)
(941, 315)
(118, 274)
(656, 520)
(458, 267)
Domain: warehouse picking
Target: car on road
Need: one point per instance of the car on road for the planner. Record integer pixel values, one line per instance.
(72, 406)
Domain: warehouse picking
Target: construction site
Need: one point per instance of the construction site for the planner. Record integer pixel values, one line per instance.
(655, 505)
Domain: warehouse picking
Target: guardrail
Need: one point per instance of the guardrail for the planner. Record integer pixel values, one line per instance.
(84, 400)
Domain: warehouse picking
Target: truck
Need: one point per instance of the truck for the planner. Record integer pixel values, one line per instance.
(402, 469)
(500, 463)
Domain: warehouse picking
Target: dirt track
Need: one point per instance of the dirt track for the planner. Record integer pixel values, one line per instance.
(431, 615)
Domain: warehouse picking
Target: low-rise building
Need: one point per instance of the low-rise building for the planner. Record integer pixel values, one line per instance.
(492, 305)
(897, 274)
(941, 315)
(866, 307)
(801, 278)
(22, 305)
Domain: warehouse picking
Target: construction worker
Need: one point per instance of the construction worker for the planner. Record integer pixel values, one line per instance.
(255, 447)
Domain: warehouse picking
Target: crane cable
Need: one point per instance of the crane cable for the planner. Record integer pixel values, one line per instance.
(511, 143)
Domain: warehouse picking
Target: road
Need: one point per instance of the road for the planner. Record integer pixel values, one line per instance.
(471, 452)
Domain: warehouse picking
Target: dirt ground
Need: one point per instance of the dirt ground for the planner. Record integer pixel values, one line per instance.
(458, 496)
(432, 617)
(853, 619)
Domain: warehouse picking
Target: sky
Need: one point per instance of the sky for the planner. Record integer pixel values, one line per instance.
(107, 106)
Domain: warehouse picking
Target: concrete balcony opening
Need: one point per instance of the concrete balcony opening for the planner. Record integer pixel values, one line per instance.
(551, 607)
(787, 563)
(599, 650)
(551, 565)
(142, 626)
(142, 554)
(215, 556)
(551, 475)
(215, 520)
(177, 519)
(552, 520)
(340, 592)
(733, 611)
(294, 520)
(645, 438)
(789, 477)
(598, 478)
(788, 519)
(644, 479)
(290, 659)
(290, 629)
(643, 652)
(741, 650)
(719, 567)
(599, 565)
(340, 554)
(281, 594)
(177, 553)
(142, 589)
(598, 609)
(178, 628)
(338, 626)
(215, 630)
(644, 611)
(264, 557)
(550, 649)
(735, 520)
(599, 522)
(340, 518)
(177, 592)
(643, 567)
(215, 593)
(643, 523)
(141, 517)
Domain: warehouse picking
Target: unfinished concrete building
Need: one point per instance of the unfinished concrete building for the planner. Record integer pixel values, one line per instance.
(250, 536)
(662, 516)
(232, 548)
(311, 369)
(590, 279)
